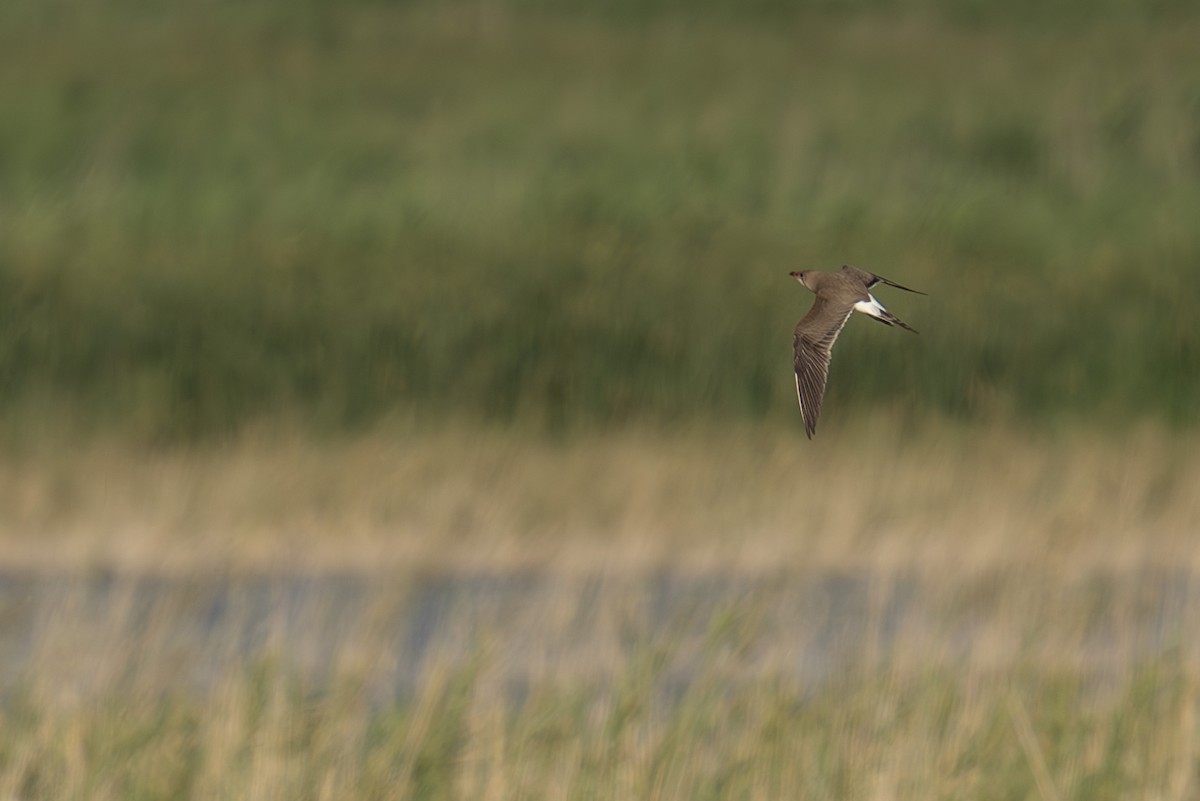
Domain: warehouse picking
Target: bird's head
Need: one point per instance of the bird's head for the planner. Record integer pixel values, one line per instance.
(802, 277)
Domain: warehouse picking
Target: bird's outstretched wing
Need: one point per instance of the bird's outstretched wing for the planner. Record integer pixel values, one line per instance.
(871, 279)
(813, 343)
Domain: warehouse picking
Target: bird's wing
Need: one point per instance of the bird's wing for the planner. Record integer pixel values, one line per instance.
(813, 342)
(879, 279)
(871, 279)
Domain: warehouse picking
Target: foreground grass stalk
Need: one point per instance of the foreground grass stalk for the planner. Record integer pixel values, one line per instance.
(1033, 752)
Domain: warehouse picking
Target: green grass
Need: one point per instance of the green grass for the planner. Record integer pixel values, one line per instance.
(1024, 728)
(214, 212)
(424, 219)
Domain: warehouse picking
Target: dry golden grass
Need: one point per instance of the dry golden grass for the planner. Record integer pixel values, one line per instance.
(1008, 616)
(928, 499)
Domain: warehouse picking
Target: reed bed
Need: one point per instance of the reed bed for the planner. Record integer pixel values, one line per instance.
(890, 611)
(395, 401)
(870, 491)
(511, 212)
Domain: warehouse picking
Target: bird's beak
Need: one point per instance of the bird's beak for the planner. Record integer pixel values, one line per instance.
(795, 275)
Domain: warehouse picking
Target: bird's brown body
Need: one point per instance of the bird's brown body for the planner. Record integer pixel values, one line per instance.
(839, 294)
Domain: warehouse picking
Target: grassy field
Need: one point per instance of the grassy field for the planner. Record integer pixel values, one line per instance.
(962, 734)
(1024, 627)
(495, 292)
(508, 212)
(974, 732)
(878, 496)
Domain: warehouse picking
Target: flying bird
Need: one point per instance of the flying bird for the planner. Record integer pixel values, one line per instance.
(838, 295)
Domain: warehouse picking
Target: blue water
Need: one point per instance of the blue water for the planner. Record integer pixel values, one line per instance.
(75, 631)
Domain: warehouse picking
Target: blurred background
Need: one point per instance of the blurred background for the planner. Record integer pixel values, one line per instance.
(421, 372)
(576, 214)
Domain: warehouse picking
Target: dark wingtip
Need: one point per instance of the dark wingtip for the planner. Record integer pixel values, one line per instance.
(810, 427)
(905, 288)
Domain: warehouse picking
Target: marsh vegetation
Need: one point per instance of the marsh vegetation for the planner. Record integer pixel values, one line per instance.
(216, 214)
(395, 400)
